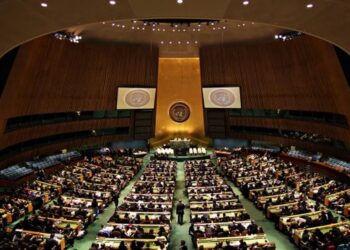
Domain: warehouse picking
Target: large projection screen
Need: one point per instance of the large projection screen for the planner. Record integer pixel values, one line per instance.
(136, 98)
(224, 98)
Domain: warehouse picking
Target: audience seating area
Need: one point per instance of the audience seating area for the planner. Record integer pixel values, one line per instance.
(217, 216)
(59, 207)
(143, 218)
(55, 208)
(294, 198)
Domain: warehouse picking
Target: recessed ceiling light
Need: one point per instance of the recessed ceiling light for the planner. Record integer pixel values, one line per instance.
(309, 6)
(112, 2)
(43, 4)
(180, 1)
(245, 2)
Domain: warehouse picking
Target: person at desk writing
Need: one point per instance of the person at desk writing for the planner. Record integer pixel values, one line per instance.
(180, 210)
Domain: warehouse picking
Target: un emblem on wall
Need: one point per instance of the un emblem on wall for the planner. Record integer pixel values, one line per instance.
(137, 98)
(222, 97)
(179, 112)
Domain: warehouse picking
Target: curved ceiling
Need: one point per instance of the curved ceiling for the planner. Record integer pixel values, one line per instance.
(23, 20)
(177, 39)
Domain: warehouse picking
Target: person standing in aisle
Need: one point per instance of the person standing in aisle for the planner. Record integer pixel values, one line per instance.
(180, 210)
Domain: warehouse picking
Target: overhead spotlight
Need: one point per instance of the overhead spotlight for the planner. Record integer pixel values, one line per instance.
(134, 21)
(309, 6)
(179, 42)
(180, 1)
(62, 35)
(44, 5)
(245, 2)
(133, 27)
(113, 24)
(112, 2)
(103, 22)
(170, 42)
(287, 35)
(196, 42)
(224, 27)
(161, 42)
(188, 42)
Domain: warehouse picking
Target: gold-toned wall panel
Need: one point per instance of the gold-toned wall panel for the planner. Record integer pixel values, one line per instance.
(179, 81)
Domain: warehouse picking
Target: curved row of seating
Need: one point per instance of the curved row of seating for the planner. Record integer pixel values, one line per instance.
(294, 197)
(143, 219)
(218, 219)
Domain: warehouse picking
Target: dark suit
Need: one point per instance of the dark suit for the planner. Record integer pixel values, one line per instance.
(180, 210)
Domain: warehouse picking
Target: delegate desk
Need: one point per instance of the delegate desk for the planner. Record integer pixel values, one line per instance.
(261, 240)
(149, 244)
(209, 196)
(143, 215)
(333, 197)
(49, 185)
(223, 225)
(58, 237)
(218, 214)
(62, 223)
(313, 191)
(77, 202)
(146, 227)
(343, 227)
(268, 189)
(286, 221)
(210, 204)
(37, 193)
(242, 180)
(90, 215)
(275, 210)
(261, 201)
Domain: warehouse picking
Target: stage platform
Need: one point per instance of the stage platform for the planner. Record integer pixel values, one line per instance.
(208, 155)
(189, 157)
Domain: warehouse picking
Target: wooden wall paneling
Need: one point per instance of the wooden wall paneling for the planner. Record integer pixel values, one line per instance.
(302, 74)
(21, 135)
(51, 76)
(288, 124)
